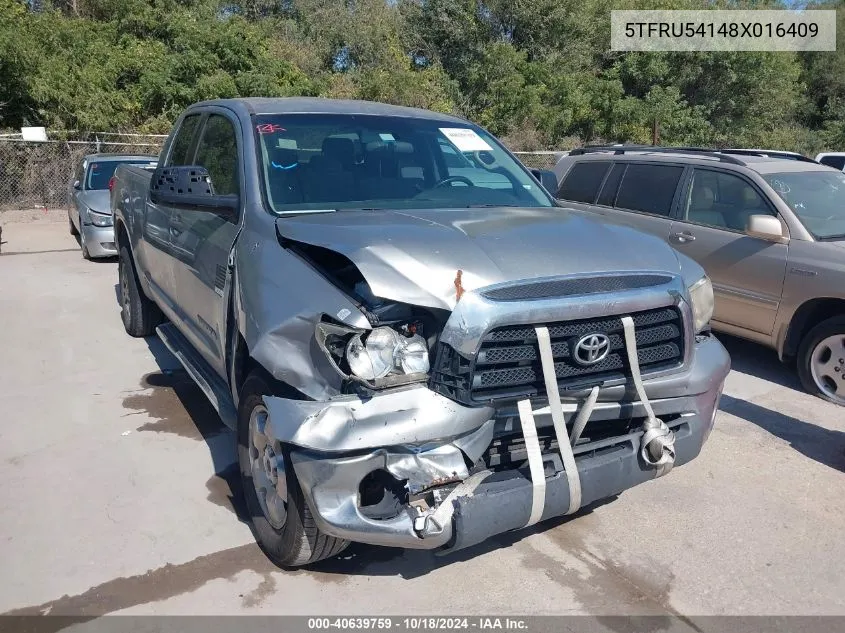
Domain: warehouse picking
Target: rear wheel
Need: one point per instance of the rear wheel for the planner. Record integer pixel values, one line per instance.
(821, 360)
(140, 315)
(281, 519)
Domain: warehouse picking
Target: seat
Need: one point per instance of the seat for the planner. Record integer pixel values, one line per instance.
(701, 209)
(389, 171)
(752, 204)
(283, 173)
(330, 176)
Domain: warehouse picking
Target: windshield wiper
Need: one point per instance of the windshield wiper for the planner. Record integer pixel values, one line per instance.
(830, 238)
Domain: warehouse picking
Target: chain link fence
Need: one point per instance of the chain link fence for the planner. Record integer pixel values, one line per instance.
(539, 160)
(40, 174)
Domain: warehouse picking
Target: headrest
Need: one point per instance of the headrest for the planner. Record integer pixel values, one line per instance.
(702, 198)
(390, 147)
(339, 149)
(750, 197)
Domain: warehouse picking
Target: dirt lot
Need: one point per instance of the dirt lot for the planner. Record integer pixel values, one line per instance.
(119, 493)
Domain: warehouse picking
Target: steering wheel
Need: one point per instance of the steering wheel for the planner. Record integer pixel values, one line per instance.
(451, 179)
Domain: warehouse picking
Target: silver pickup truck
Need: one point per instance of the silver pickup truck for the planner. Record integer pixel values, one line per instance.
(410, 357)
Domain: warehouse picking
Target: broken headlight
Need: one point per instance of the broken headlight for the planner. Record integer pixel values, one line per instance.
(385, 351)
(382, 357)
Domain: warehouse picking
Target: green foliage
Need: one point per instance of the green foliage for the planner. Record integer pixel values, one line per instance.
(537, 72)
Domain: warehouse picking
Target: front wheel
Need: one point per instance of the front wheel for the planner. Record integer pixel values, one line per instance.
(821, 360)
(282, 522)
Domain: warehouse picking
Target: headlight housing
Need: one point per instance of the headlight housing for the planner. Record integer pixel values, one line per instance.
(100, 219)
(701, 299)
(385, 351)
(385, 356)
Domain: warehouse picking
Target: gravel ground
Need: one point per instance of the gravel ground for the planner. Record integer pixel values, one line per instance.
(121, 497)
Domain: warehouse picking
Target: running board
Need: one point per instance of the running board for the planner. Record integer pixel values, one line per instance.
(214, 388)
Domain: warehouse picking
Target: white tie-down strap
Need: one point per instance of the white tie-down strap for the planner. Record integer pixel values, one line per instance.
(535, 461)
(658, 442)
(563, 441)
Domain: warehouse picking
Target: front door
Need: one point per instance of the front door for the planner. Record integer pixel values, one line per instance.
(159, 257)
(201, 242)
(747, 272)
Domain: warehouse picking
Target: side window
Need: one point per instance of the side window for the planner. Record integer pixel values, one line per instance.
(838, 162)
(649, 188)
(218, 153)
(183, 142)
(723, 200)
(583, 181)
(608, 193)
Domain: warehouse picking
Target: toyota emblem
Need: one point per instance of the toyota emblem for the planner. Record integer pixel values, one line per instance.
(591, 349)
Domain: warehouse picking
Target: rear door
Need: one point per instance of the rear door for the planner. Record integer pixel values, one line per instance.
(639, 194)
(642, 195)
(202, 241)
(747, 272)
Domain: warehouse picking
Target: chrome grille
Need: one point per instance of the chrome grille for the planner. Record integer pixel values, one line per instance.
(507, 365)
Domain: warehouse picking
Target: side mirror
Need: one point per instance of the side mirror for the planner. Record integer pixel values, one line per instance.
(77, 185)
(190, 187)
(547, 179)
(765, 227)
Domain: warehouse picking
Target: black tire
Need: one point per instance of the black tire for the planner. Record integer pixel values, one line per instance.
(85, 254)
(72, 227)
(831, 327)
(140, 315)
(299, 541)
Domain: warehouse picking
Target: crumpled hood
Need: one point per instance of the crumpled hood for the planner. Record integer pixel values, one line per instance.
(413, 256)
(97, 200)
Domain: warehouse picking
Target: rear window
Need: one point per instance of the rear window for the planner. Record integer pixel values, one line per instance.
(100, 172)
(583, 181)
(837, 162)
(649, 188)
(608, 192)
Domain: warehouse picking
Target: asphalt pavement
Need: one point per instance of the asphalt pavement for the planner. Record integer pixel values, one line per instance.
(120, 495)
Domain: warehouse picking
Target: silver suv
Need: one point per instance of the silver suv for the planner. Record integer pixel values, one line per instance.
(769, 231)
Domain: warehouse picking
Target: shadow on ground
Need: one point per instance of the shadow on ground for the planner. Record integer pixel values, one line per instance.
(760, 361)
(816, 442)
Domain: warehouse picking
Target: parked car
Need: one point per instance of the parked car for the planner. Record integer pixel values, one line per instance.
(832, 159)
(769, 232)
(400, 347)
(89, 213)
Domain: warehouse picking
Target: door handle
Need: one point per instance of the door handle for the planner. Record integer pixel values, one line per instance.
(684, 237)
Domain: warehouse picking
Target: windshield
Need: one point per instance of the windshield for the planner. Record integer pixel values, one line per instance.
(327, 161)
(817, 197)
(99, 173)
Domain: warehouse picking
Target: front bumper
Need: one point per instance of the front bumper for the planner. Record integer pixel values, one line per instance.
(426, 440)
(98, 240)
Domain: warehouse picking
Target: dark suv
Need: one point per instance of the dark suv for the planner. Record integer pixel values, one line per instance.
(769, 230)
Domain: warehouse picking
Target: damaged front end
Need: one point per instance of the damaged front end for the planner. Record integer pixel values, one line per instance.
(449, 428)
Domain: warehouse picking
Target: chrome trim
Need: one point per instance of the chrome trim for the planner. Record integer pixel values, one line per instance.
(474, 315)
